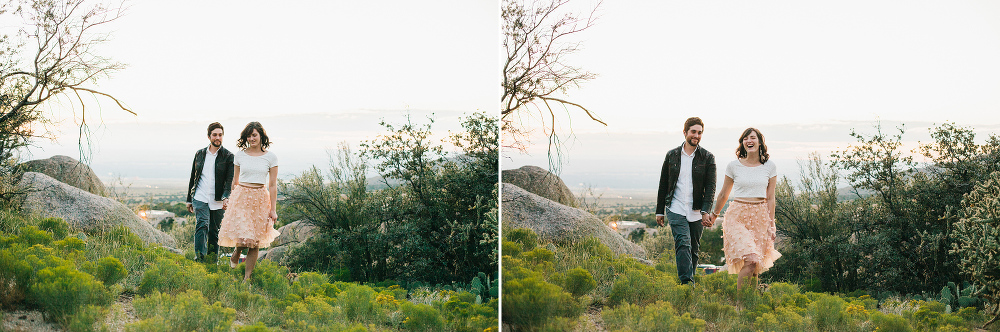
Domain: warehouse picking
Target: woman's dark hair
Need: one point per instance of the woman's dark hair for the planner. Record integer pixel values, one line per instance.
(214, 125)
(264, 142)
(742, 153)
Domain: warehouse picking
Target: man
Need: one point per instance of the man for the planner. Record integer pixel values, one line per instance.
(208, 191)
(687, 187)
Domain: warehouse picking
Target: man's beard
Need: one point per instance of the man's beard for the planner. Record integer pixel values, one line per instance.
(216, 145)
(691, 142)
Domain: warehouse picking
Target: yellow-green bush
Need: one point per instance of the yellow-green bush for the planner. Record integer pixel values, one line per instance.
(464, 315)
(890, 323)
(87, 319)
(269, 277)
(529, 301)
(167, 275)
(358, 302)
(109, 270)
(58, 227)
(314, 310)
(636, 287)
(579, 281)
(421, 317)
(658, 316)
(62, 290)
(15, 277)
(525, 237)
(187, 311)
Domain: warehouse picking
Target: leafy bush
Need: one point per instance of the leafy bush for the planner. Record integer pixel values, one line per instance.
(529, 301)
(167, 275)
(659, 316)
(421, 317)
(357, 302)
(87, 319)
(527, 238)
(269, 277)
(579, 281)
(63, 290)
(109, 270)
(314, 310)
(15, 275)
(188, 311)
(58, 227)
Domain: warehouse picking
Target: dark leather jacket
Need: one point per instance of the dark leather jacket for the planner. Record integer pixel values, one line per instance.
(223, 173)
(702, 171)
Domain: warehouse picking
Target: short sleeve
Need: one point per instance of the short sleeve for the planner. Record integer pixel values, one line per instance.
(731, 170)
(772, 170)
(236, 158)
(272, 160)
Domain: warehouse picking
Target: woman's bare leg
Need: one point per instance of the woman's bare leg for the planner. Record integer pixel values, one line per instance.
(236, 255)
(749, 270)
(250, 261)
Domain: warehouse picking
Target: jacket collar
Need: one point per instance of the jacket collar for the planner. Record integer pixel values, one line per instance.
(680, 149)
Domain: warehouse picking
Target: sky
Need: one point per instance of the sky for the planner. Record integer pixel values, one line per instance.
(314, 73)
(803, 72)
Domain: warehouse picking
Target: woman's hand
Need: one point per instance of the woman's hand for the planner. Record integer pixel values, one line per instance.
(272, 217)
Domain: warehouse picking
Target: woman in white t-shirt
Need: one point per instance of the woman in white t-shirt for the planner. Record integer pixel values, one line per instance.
(250, 214)
(748, 230)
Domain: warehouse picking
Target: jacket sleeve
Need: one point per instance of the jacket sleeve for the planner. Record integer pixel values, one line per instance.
(228, 185)
(709, 183)
(661, 192)
(191, 180)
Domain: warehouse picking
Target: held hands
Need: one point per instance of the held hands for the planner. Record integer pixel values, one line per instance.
(191, 207)
(225, 203)
(708, 219)
(659, 220)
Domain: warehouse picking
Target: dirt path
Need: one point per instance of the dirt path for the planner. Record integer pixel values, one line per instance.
(594, 320)
(120, 313)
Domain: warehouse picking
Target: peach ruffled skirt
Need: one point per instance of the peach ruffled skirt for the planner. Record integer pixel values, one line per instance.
(245, 223)
(747, 233)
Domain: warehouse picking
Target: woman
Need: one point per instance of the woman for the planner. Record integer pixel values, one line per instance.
(748, 229)
(250, 212)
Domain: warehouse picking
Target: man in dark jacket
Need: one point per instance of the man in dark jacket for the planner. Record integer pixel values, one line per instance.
(208, 191)
(687, 187)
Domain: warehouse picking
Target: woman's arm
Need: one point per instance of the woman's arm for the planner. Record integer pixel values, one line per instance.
(272, 188)
(720, 201)
(771, 203)
(236, 176)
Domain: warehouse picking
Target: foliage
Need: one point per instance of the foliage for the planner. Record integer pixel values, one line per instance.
(187, 311)
(63, 290)
(977, 239)
(535, 68)
(438, 225)
(422, 317)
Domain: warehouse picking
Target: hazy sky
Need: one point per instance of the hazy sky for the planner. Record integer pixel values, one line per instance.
(314, 73)
(803, 72)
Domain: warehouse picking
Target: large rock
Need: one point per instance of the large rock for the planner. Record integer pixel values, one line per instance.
(559, 223)
(69, 171)
(540, 182)
(292, 235)
(48, 197)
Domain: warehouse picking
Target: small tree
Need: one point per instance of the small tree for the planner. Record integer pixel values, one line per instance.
(536, 68)
(977, 240)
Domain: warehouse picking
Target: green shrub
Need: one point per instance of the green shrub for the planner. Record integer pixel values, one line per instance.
(257, 327)
(659, 316)
(31, 235)
(87, 319)
(166, 275)
(421, 317)
(188, 311)
(782, 319)
(511, 248)
(828, 312)
(270, 278)
(58, 227)
(357, 302)
(637, 287)
(464, 315)
(109, 270)
(579, 281)
(716, 312)
(529, 301)
(15, 277)
(311, 283)
(526, 237)
(70, 244)
(314, 310)
(63, 290)
(889, 323)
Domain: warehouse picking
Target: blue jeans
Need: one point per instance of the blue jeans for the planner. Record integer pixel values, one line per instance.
(687, 240)
(206, 231)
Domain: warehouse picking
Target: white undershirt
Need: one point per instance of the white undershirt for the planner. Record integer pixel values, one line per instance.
(206, 185)
(683, 201)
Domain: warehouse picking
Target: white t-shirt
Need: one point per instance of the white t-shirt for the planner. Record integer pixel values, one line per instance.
(255, 169)
(683, 201)
(206, 185)
(750, 181)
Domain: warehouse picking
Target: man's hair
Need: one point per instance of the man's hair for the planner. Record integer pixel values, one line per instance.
(762, 149)
(264, 141)
(693, 121)
(214, 125)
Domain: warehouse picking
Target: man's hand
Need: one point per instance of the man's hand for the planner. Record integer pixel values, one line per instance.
(225, 203)
(659, 220)
(707, 220)
(190, 207)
